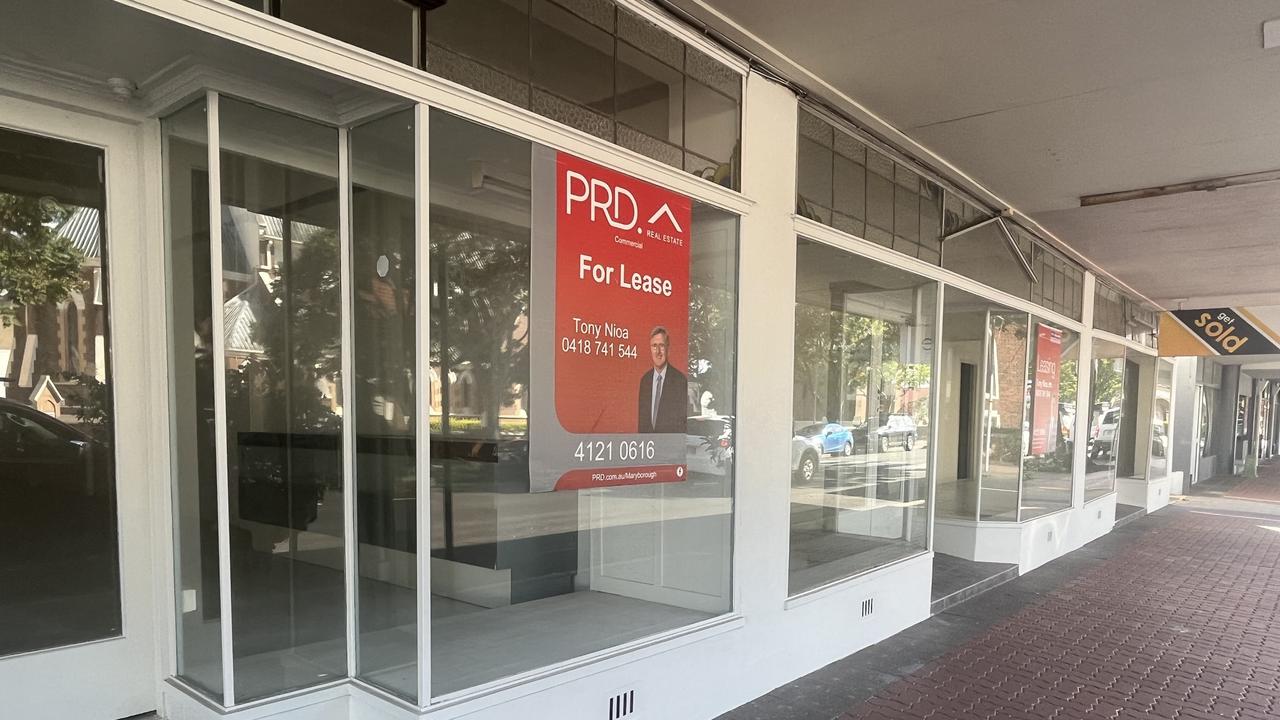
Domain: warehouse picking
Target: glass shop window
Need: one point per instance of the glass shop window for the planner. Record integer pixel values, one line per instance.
(1113, 418)
(1052, 389)
(525, 573)
(861, 415)
(982, 408)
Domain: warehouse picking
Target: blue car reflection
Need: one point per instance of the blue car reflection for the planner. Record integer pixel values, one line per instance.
(836, 439)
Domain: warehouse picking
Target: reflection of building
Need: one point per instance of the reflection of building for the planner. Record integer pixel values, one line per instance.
(52, 355)
(466, 405)
(254, 262)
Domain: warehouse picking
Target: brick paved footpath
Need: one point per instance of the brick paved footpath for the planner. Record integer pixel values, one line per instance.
(1175, 616)
(1265, 488)
(1183, 624)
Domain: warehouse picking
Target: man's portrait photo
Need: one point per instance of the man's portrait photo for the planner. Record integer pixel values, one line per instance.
(663, 390)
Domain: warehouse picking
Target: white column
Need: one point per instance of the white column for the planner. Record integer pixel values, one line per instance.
(220, 398)
(422, 381)
(1084, 378)
(766, 329)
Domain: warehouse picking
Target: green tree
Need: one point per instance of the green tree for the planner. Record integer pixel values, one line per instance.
(37, 265)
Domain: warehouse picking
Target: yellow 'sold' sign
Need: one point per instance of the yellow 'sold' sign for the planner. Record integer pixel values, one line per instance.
(1215, 331)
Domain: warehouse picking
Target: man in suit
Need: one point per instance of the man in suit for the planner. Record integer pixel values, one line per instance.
(664, 402)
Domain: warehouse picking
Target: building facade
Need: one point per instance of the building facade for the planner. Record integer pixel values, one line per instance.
(285, 372)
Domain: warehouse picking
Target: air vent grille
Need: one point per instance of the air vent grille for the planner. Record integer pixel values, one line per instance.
(868, 606)
(622, 705)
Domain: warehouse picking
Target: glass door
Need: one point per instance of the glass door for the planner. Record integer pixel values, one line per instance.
(75, 610)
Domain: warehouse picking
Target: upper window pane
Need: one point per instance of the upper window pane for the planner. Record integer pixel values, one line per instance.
(1108, 309)
(814, 169)
(386, 27)
(846, 184)
(1059, 283)
(861, 421)
(589, 64)
(483, 44)
(602, 69)
(984, 254)
(572, 70)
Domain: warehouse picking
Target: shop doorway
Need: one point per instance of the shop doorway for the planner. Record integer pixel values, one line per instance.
(76, 620)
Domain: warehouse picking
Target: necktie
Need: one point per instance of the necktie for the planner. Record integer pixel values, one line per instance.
(657, 393)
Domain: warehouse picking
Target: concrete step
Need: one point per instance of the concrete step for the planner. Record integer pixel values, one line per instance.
(971, 591)
(1126, 514)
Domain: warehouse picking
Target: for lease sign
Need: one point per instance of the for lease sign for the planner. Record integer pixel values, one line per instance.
(610, 322)
(1044, 414)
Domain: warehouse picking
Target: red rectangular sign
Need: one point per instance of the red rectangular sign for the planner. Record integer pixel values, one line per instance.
(1044, 415)
(621, 323)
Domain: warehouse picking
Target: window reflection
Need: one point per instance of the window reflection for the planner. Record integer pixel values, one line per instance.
(1002, 424)
(384, 359)
(282, 343)
(983, 405)
(1052, 384)
(863, 373)
(1111, 435)
(195, 482)
(59, 570)
(597, 67)
(1162, 412)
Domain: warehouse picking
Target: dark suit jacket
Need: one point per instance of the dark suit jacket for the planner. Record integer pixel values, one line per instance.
(673, 406)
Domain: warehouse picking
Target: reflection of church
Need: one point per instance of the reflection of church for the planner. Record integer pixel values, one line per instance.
(53, 356)
(252, 261)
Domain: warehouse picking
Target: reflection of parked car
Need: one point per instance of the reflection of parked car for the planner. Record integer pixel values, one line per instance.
(806, 452)
(52, 476)
(834, 438)
(896, 430)
(709, 444)
(38, 451)
(1103, 434)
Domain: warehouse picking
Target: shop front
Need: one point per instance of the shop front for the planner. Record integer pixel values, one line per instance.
(367, 374)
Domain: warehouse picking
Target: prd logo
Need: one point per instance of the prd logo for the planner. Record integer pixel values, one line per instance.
(616, 203)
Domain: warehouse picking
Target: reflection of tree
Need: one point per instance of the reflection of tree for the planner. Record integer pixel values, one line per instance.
(37, 266)
(384, 346)
(1108, 381)
(298, 327)
(483, 284)
(868, 349)
(711, 333)
(95, 405)
(1068, 381)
